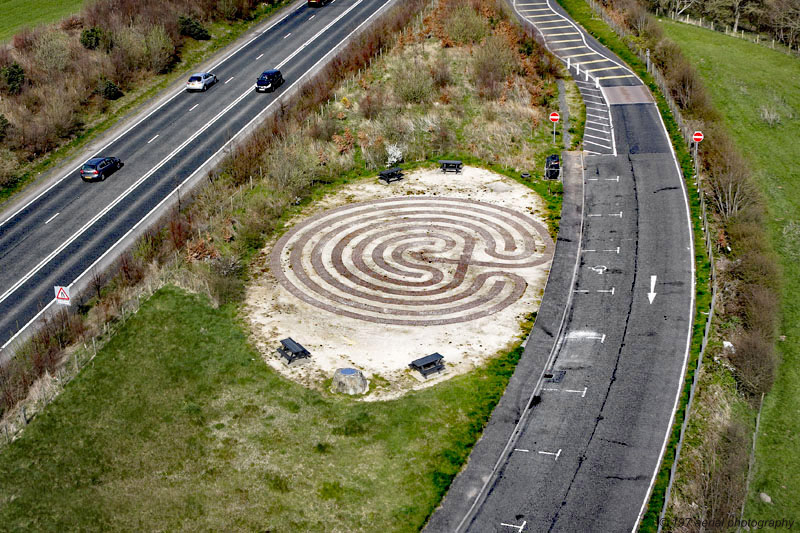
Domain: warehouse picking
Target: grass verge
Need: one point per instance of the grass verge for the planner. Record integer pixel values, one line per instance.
(582, 13)
(178, 424)
(758, 98)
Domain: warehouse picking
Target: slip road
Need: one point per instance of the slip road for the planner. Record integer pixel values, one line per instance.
(575, 442)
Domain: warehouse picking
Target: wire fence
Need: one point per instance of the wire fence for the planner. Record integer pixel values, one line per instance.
(753, 37)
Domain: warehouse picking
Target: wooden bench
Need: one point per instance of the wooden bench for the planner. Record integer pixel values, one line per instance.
(430, 364)
(391, 174)
(448, 165)
(292, 351)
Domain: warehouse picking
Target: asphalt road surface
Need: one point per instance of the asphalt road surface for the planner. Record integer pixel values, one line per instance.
(575, 443)
(57, 235)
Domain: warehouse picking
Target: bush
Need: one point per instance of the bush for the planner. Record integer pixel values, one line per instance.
(192, 28)
(92, 37)
(440, 72)
(160, 50)
(5, 125)
(108, 89)
(465, 25)
(52, 52)
(761, 310)
(492, 63)
(755, 361)
(8, 167)
(13, 78)
(413, 85)
(372, 104)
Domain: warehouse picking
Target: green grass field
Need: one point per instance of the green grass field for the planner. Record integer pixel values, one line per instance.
(16, 14)
(746, 80)
(179, 425)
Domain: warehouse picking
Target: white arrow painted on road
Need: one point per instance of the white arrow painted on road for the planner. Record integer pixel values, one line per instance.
(652, 294)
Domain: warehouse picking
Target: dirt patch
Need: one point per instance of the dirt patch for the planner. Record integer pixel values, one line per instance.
(378, 275)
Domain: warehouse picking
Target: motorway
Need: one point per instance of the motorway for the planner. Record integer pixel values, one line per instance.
(576, 441)
(59, 234)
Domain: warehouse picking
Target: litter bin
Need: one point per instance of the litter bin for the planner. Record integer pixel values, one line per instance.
(552, 167)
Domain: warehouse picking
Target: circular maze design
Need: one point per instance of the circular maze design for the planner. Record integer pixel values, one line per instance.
(412, 261)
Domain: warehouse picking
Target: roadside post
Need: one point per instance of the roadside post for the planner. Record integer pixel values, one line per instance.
(554, 119)
(697, 137)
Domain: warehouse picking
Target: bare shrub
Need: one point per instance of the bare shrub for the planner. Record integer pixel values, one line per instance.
(666, 53)
(440, 73)
(52, 52)
(8, 167)
(131, 269)
(413, 84)
(465, 25)
(160, 49)
(730, 185)
(25, 39)
(372, 104)
(130, 49)
(323, 129)
(755, 362)
(757, 267)
(761, 310)
(769, 115)
(492, 63)
(723, 488)
(686, 87)
(179, 230)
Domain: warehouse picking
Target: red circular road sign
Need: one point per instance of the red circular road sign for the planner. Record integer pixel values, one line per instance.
(554, 117)
(698, 136)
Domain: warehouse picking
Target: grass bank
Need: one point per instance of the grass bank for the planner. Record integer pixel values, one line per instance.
(17, 14)
(758, 98)
(178, 424)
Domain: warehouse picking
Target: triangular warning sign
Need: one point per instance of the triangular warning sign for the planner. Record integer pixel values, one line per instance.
(62, 294)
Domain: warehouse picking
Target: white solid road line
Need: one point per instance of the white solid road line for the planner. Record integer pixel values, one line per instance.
(49, 220)
(180, 91)
(138, 182)
(201, 167)
(153, 139)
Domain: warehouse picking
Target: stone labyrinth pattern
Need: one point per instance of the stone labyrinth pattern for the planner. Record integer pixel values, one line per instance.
(411, 261)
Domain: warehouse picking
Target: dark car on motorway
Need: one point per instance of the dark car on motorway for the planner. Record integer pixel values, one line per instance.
(317, 3)
(99, 168)
(269, 81)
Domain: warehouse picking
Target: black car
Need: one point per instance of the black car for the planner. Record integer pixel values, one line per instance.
(317, 3)
(99, 168)
(269, 81)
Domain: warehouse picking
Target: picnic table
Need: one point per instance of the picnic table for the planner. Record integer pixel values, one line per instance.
(292, 350)
(450, 165)
(391, 174)
(430, 364)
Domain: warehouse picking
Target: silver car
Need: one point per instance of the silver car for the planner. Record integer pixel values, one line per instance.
(200, 81)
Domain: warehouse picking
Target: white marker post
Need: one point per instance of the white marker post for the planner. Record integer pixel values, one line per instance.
(697, 137)
(554, 119)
